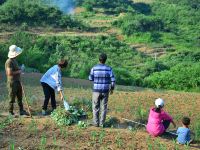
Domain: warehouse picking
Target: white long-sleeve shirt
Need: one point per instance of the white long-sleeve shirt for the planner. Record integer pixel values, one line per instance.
(53, 78)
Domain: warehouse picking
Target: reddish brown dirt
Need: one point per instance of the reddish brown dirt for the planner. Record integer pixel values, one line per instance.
(122, 104)
(79, 10)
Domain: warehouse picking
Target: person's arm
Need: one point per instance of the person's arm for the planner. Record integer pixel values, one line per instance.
(9, 69)
(166, 116)
(59, 84)
(112, 78)
(91, 76)
(9, 72)
(61, 95)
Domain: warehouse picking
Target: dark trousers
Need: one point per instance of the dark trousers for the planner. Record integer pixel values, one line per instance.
(48, 93)
(166, 124)
(15, 90)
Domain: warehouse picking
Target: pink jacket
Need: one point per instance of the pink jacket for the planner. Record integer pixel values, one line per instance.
(155, 126)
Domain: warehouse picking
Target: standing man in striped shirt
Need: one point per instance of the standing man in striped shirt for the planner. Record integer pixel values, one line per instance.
(104, 82)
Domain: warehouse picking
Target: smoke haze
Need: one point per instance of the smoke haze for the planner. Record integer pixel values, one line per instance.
(66, 6)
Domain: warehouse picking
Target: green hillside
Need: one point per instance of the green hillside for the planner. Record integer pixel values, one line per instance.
(153, 47)
(149, 43)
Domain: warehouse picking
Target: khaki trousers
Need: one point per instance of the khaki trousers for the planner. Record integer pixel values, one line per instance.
(15, 90)
(99, 104)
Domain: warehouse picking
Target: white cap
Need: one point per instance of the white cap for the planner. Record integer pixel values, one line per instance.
(159, 102)
(14, 51)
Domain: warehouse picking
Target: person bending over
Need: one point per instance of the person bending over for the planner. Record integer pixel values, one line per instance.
(50, 82)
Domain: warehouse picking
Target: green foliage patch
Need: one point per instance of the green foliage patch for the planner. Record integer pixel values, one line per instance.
(84, 104)
(197, 130)
(82, 53)
(139, 23)
(79, 108)
(174, 23)
(82, 124)
(63, 117)
(130, 67)
(116, 6)
(113, 7)
(6, 122)
(35, 13)
(183, 76)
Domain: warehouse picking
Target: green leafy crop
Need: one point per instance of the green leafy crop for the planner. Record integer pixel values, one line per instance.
(63, 117)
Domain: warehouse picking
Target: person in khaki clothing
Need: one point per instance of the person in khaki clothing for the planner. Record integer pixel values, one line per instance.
(13, 72)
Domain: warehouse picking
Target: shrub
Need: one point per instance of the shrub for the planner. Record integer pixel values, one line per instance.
(123, 76)
(139, 23)
(35, 13)
(110, 6)
(168, 22)
(183, 76)
(88, 7)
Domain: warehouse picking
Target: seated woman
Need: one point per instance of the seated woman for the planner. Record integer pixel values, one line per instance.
(158, 120)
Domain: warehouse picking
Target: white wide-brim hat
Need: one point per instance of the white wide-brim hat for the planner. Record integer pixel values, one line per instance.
(14, 51)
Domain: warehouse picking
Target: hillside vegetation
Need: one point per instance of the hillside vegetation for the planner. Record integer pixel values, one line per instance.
(26, 13)
(82, 53)
(149, 43)
(171, 27)
(172, 24)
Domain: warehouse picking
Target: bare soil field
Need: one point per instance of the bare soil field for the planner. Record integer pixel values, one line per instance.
(42, 133)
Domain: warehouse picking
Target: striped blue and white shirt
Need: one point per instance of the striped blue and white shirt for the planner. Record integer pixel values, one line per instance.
(102, 77)
(53, 78)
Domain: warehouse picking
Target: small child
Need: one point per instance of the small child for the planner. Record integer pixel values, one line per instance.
(184, 132)
(158, 120)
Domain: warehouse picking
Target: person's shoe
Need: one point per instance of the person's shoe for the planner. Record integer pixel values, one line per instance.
(23, 112)
(44, 112)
